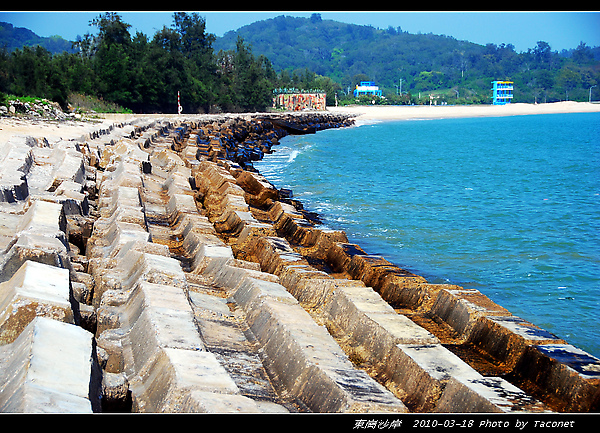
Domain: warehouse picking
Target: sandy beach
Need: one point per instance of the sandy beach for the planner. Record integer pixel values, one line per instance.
(405, 112)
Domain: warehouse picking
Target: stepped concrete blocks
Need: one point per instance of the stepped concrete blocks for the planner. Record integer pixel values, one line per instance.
(207, 253)
(310, 287)
(158, 325)
(124, 174)
(307, 359)
(178, 182)
(16, 159)
(571, 374)
(325, 240)
(486, 394)
(371, 323)
(413, 294)
(69, 194)
(166, 159)
(133, 265)
(280, 209)
(119, 197)
(109, 238)
(215, 175)
(13, 186)
(161, 270)
(192, 222)
(34, 290)
(248, 236)
(230, 275)
(463, 308)
(181, 204)
(299, 231)
(34, 247)
(49, 368)
(506, 337)
(340, 255)
(275, 254)
(417, 373)
(45, 218)
(259, 192)
(233, 221)
(217, 205)
(377, 272)
(196, 238)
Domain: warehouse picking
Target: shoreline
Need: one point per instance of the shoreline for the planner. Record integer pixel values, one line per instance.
(72, 129)
(414, 112)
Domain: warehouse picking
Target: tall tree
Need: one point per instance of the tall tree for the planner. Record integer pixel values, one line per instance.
(111, 60)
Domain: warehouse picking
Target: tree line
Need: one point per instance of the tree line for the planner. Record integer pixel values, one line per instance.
(142, 74)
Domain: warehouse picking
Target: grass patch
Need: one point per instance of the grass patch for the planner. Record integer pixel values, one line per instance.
(80, 102)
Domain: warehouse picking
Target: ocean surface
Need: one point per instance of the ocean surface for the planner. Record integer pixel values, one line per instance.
(506, 205)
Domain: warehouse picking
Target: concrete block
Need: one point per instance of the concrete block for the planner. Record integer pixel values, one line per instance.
(179, 204)
(211, 402)
(418, 373)
(250, 233)
(568, 374)
(298, 231)
(233, 221)
(13, 186)
(506, 337)
(217, 205)
(34, 290)
(157, 328)
(371, 322)
(278, 209)
(488, 395)
(306, 359)
(197, 238)
(44, 217)
(166, 382)
(275, 254)
(462, 308)
(340, 255)
(377, 272)
(312, 288)
(34, 247)
(230, 276)
(207, 253)
(49, 368)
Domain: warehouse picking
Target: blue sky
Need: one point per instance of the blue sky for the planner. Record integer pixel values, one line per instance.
(562, 30)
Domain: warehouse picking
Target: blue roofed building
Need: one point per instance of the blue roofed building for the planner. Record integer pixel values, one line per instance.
(367, 88)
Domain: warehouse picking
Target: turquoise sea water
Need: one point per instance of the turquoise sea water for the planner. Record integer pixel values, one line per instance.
(507, 205)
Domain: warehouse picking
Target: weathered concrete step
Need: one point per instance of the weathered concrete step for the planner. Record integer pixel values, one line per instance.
(371, 331)
(225, 334)
(37, 235)
(296, 353)
(49, 368)
(36, 289)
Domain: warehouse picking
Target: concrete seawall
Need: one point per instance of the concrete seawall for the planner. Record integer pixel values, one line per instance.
(148, 267)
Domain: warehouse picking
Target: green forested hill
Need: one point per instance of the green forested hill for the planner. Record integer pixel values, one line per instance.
(13, 37)
(418, 62)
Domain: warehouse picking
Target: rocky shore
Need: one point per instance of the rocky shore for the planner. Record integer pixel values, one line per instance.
(146, 266)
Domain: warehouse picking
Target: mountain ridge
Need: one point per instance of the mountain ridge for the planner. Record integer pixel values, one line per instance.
(12, 37)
